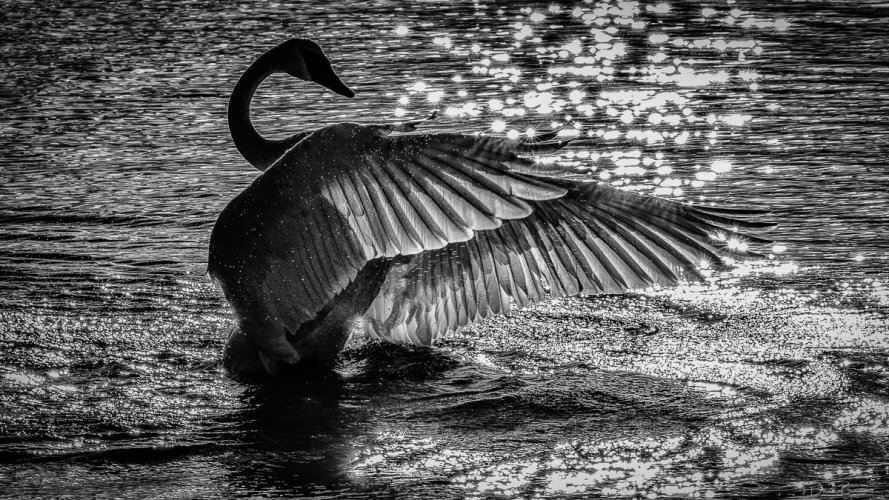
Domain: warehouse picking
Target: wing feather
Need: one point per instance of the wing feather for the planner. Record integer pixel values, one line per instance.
(359, 212)
(477, 202)
(428, 214)
(375, 224)
(393, 234)
(467, 275)
(396, 206)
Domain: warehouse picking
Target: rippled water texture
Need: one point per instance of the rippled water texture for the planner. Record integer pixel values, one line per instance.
(771, 379)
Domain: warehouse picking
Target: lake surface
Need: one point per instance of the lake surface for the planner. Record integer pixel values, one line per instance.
(770, 379)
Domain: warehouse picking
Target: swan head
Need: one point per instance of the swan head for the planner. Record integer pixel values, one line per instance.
(304, 59)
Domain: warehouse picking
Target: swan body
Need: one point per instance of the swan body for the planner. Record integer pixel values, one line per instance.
(419, 234)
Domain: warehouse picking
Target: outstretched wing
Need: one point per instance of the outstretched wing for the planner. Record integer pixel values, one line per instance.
(597, 239)
(347, 194)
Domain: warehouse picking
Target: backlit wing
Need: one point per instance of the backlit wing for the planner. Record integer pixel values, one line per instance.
(597, 239)
(346, 194)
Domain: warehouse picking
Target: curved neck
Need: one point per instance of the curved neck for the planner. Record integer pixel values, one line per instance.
(259, 151)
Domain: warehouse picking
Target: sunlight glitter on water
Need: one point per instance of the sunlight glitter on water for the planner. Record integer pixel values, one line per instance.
(669, 111)
(773, 372)
(745, 386)
(745, 445)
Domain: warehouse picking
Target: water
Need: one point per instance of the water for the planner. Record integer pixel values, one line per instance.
(769, 380)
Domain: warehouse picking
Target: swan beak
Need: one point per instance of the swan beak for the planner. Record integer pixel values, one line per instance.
(322, 73)
(340, 88)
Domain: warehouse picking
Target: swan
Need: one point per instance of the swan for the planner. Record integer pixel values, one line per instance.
(407, 236)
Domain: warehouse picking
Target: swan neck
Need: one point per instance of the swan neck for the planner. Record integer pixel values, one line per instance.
(259, 151)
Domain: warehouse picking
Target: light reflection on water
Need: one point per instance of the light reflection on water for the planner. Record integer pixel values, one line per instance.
(769, 379)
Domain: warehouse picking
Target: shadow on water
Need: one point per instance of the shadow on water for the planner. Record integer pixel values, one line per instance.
(292, 435)
(297, 431)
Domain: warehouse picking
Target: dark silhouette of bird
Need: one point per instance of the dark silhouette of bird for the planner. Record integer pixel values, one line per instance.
(406, 236)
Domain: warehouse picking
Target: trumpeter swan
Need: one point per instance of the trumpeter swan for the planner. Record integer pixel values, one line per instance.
(419, 234)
